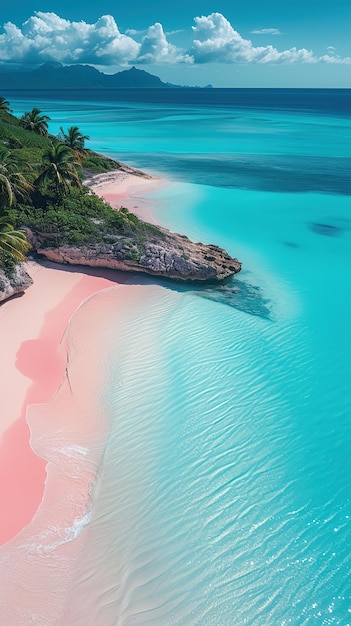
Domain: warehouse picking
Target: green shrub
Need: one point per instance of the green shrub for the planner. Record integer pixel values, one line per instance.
(98, 163)
(77, 218)
(7, 264)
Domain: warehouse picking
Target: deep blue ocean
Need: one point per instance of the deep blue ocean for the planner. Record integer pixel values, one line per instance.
(225, 494)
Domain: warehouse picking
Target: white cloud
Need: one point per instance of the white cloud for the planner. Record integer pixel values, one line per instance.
(132, 32)
(48, 37)
(335, 58)
(174, 32)
(266, 31)
(156, 49)
(217, 42)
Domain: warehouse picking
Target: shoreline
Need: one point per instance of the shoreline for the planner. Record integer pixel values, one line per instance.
(37, 360)
(54, 428)
(36, 365)
(120, 188)
(70, 432)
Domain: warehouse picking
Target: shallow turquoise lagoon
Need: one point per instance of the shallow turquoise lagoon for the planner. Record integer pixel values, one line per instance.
(224, 497)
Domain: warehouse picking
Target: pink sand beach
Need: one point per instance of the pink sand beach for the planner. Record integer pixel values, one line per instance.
(34, 362)
(53, 427)
(122, 189)
(35, 365)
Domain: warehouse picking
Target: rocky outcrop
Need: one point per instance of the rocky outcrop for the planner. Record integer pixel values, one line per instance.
(18, 282)
(121, 170)
(160, 254)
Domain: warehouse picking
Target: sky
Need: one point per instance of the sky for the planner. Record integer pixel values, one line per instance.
(226, 43)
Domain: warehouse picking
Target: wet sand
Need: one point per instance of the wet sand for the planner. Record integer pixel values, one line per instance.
(32, 327)
(124, 189)
(69, 435)
(53, 423)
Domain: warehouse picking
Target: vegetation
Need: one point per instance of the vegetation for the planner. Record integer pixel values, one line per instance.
(59, 169)
(40, 188)
(13, 185)
(74, 139)
(81, 217)
(35, 122)
(4, 105)
(13, 242)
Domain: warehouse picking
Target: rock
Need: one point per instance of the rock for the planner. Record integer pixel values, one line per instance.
(18, 282)
(161, 253)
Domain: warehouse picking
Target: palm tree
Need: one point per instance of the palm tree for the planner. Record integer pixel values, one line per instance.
(74, 139)
(13, 185)
(13, 242)
(4, 105)
(59, 168)
(34, 120)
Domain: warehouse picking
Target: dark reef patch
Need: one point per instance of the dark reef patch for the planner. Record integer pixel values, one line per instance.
(329, 230)
(291, 244)
(239, 294)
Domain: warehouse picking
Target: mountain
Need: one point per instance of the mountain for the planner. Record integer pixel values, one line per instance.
(57, 76)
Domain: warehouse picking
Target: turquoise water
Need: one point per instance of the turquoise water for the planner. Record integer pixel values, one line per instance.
(224, 497)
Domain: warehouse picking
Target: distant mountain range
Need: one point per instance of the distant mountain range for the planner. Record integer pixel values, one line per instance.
(57, 76)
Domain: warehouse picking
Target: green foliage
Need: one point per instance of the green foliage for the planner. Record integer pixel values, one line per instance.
(62, 227)
(59, 168)
(13, 185)
(84, 203)
(12, 242)
(4, 105)
(98, 163)
(73, 138)
(8, 264)
(35, 121)
(82, 218)
(16, 137)
(59, 211)
(133, 251)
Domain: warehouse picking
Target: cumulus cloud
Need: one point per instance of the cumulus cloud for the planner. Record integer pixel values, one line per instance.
(156, 49)
(335, 58)
(133, 31)
(266, 31)
(48, 37)
(217, 42)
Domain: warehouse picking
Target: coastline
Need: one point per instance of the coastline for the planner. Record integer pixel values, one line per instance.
(229, 437)
(36, 364)
(55, 423)
(120, 188)
(36, 359)
(70, 432)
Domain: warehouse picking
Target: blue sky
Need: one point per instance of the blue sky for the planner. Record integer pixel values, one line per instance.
(223, 42)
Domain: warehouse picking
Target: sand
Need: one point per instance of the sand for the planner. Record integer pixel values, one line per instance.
(33, 365)
(124, 189)
(69, 434)
(33, 362)
(53, 426)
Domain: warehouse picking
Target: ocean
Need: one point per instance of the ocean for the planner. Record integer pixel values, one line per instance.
(224, 496)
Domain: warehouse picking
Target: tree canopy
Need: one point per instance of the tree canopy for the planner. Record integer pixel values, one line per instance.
(35, 121)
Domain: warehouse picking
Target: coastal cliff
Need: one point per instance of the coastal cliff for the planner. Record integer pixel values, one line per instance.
(16, 283)
(162, 253)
